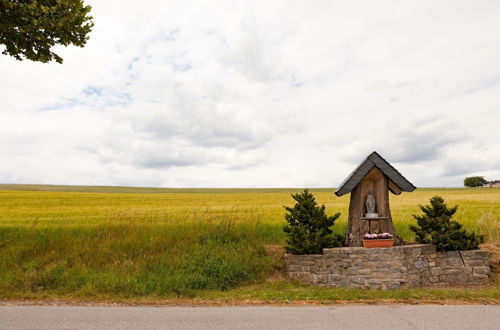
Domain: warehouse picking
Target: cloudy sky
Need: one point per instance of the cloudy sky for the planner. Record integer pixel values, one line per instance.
(259, 94)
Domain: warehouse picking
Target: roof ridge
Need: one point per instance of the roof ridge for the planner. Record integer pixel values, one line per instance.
(375, 160)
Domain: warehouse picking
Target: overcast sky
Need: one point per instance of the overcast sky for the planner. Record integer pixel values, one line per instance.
(259, 94)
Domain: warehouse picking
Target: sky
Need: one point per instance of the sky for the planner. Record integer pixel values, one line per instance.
(259, 94)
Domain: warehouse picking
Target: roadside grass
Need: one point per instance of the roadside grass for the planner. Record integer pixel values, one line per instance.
(280, 292)
(133, 260)
(288, 292)
(190, 244)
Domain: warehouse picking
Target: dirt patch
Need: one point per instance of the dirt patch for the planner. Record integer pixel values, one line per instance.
(494, 250)
(245, 302)
(277, 253)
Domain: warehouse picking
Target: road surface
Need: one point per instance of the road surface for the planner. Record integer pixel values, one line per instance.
(261, 317)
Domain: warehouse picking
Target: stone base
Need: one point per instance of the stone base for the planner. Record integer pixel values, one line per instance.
(389, 268)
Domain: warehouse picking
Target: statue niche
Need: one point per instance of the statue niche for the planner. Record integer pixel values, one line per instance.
(370, 207)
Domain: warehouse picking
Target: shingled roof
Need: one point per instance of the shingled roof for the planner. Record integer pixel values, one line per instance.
(375, 160)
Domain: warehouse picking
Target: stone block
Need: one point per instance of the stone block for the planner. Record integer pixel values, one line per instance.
(478, 278)
(451, 254)
(450, 262)
(429, 248)
(322, 278)
(334, 251)
(474, 254)
(302, 276)
(396, 276)
(358, 280)
(294, 268)
(334, 278)
(332, 257)
(448, 278)
(307, 262)
(452, 271)
(357, 286)
(334, 269)
(435, 270)
(364, 271)
(396, 264)
(416, 252)
(475, 262)
(421, 264)
(481, 270)
(433, 279)
(374, 281)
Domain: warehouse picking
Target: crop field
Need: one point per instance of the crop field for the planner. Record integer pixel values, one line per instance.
(91, 242)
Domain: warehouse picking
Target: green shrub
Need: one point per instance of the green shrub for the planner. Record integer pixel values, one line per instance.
(436, 227)
(474, 181)
(309, 228)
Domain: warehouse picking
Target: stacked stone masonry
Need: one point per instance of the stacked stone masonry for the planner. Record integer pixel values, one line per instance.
(389, 268)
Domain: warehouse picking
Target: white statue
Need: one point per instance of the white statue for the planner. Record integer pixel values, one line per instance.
(370, 207)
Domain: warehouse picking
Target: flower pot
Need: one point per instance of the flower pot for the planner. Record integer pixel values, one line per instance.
(378, 243)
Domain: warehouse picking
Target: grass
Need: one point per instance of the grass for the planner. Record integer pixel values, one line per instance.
(154, 243)
(278, 292)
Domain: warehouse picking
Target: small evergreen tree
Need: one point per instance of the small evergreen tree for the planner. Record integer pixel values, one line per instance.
(309, 228)
(436, 227)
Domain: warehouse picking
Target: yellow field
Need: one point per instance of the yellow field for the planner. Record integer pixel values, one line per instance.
(479, 208)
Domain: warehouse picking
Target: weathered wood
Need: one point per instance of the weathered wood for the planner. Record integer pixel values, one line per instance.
(377, 184)
(394, 188)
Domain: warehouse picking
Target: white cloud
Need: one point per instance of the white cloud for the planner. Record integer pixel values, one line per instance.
(238, 93)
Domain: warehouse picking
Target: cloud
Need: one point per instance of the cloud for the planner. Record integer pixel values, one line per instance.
(259, 94)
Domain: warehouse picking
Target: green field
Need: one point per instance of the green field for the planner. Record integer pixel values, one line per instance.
(131, 243)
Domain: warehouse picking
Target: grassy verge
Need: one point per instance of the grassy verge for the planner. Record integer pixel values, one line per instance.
(279, 292)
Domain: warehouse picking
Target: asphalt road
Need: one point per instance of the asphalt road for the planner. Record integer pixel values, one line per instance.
(262, 317)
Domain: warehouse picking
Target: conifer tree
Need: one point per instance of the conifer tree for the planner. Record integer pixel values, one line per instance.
(309, 228)
(436, 227)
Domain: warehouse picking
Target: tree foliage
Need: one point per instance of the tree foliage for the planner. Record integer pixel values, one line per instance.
(30, 28)
(474, 181)
(436, 227)
(309, 229)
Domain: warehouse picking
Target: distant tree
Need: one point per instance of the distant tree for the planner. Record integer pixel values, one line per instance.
(436, 227)
(30, 28)
(309, 229)
(474, 181)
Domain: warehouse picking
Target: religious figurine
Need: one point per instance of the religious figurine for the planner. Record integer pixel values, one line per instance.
(370, 207)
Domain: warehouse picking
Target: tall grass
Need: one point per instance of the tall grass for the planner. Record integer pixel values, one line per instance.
(131, 259)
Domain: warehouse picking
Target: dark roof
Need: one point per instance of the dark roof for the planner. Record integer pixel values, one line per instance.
(374, 160)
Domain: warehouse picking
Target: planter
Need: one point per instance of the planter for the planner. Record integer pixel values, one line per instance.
(378, 243)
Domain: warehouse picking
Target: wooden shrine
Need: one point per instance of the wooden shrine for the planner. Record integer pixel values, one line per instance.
(369, 185)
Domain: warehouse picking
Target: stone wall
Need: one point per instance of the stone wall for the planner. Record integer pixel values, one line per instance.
(389, 268)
